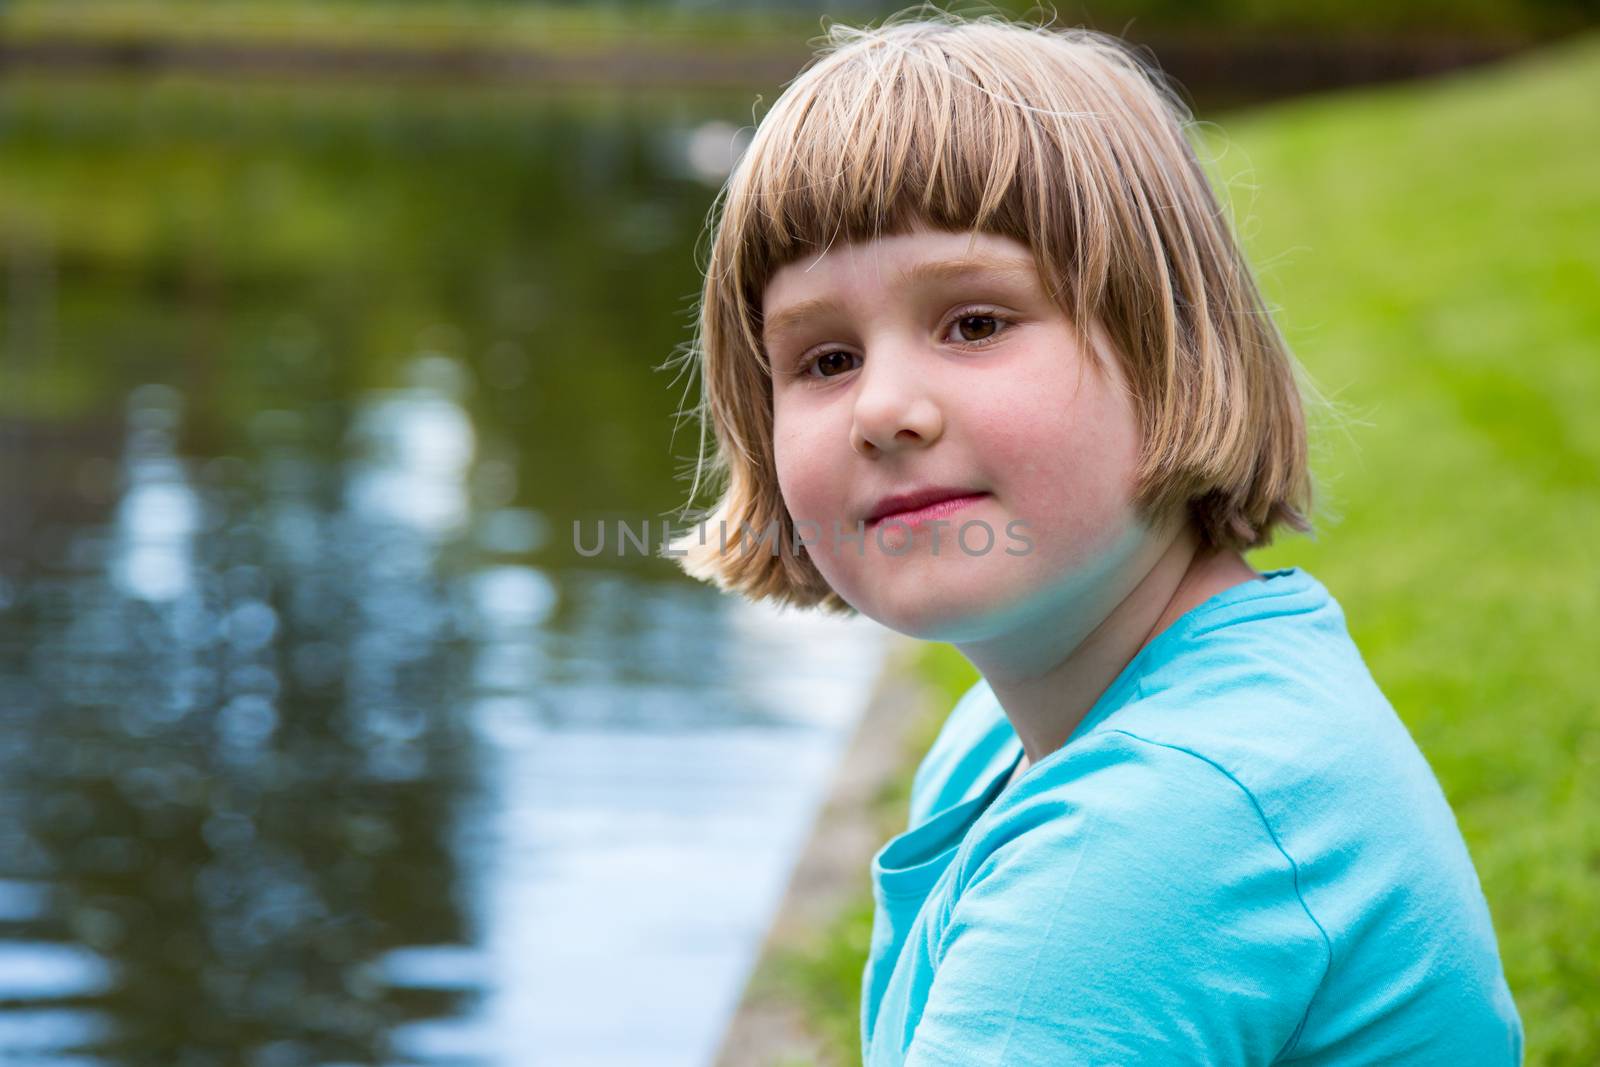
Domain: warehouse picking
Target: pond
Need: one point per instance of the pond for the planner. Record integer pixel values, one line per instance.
(320, 742)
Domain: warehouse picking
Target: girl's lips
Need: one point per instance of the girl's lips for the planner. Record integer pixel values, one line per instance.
(939, 510)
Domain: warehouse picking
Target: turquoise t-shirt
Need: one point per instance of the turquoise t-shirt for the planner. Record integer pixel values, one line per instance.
(1240, 856)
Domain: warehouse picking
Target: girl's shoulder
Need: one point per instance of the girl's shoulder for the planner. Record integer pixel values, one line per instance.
(1136, 794)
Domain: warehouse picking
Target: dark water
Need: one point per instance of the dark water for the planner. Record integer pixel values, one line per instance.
(319, 743)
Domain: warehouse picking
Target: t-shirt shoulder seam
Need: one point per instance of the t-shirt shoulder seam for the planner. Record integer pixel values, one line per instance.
(1294, 868)
(1205, 620)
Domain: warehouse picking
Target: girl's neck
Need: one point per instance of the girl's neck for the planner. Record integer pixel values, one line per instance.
(1045, 704)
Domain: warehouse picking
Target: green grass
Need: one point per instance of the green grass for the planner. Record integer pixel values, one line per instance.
(1433, 252)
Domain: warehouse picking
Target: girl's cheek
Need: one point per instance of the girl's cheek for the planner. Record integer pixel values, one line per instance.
(807, 451)
(1015, 438)
(798, 481)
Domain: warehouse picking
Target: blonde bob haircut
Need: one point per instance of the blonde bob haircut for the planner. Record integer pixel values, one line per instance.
(1063, 140)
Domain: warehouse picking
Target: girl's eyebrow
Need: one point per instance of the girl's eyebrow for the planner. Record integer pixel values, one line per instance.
(1005, 268)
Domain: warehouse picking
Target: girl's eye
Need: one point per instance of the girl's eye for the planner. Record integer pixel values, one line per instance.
(825, 361)
(962, 323)
(979, 321)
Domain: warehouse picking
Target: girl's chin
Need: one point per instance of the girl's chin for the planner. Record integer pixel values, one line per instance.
(928, 609)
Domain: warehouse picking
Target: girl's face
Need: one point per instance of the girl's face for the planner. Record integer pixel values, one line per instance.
(907, 363)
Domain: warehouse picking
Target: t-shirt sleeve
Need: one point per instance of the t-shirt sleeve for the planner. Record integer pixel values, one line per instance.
(1127, 904)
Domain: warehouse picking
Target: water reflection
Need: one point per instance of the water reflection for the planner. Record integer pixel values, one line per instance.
(317, 744)
(157, 516)
(682, 828)
(299, 785)
(239, 759)
(415, 446)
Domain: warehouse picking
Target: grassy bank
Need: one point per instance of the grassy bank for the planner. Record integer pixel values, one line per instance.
(1435, 253)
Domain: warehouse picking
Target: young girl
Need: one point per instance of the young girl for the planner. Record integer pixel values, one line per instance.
(977, 342)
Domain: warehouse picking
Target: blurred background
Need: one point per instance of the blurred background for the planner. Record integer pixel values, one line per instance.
(326, 328)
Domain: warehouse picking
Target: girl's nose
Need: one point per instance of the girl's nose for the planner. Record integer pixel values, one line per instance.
(894, 408)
